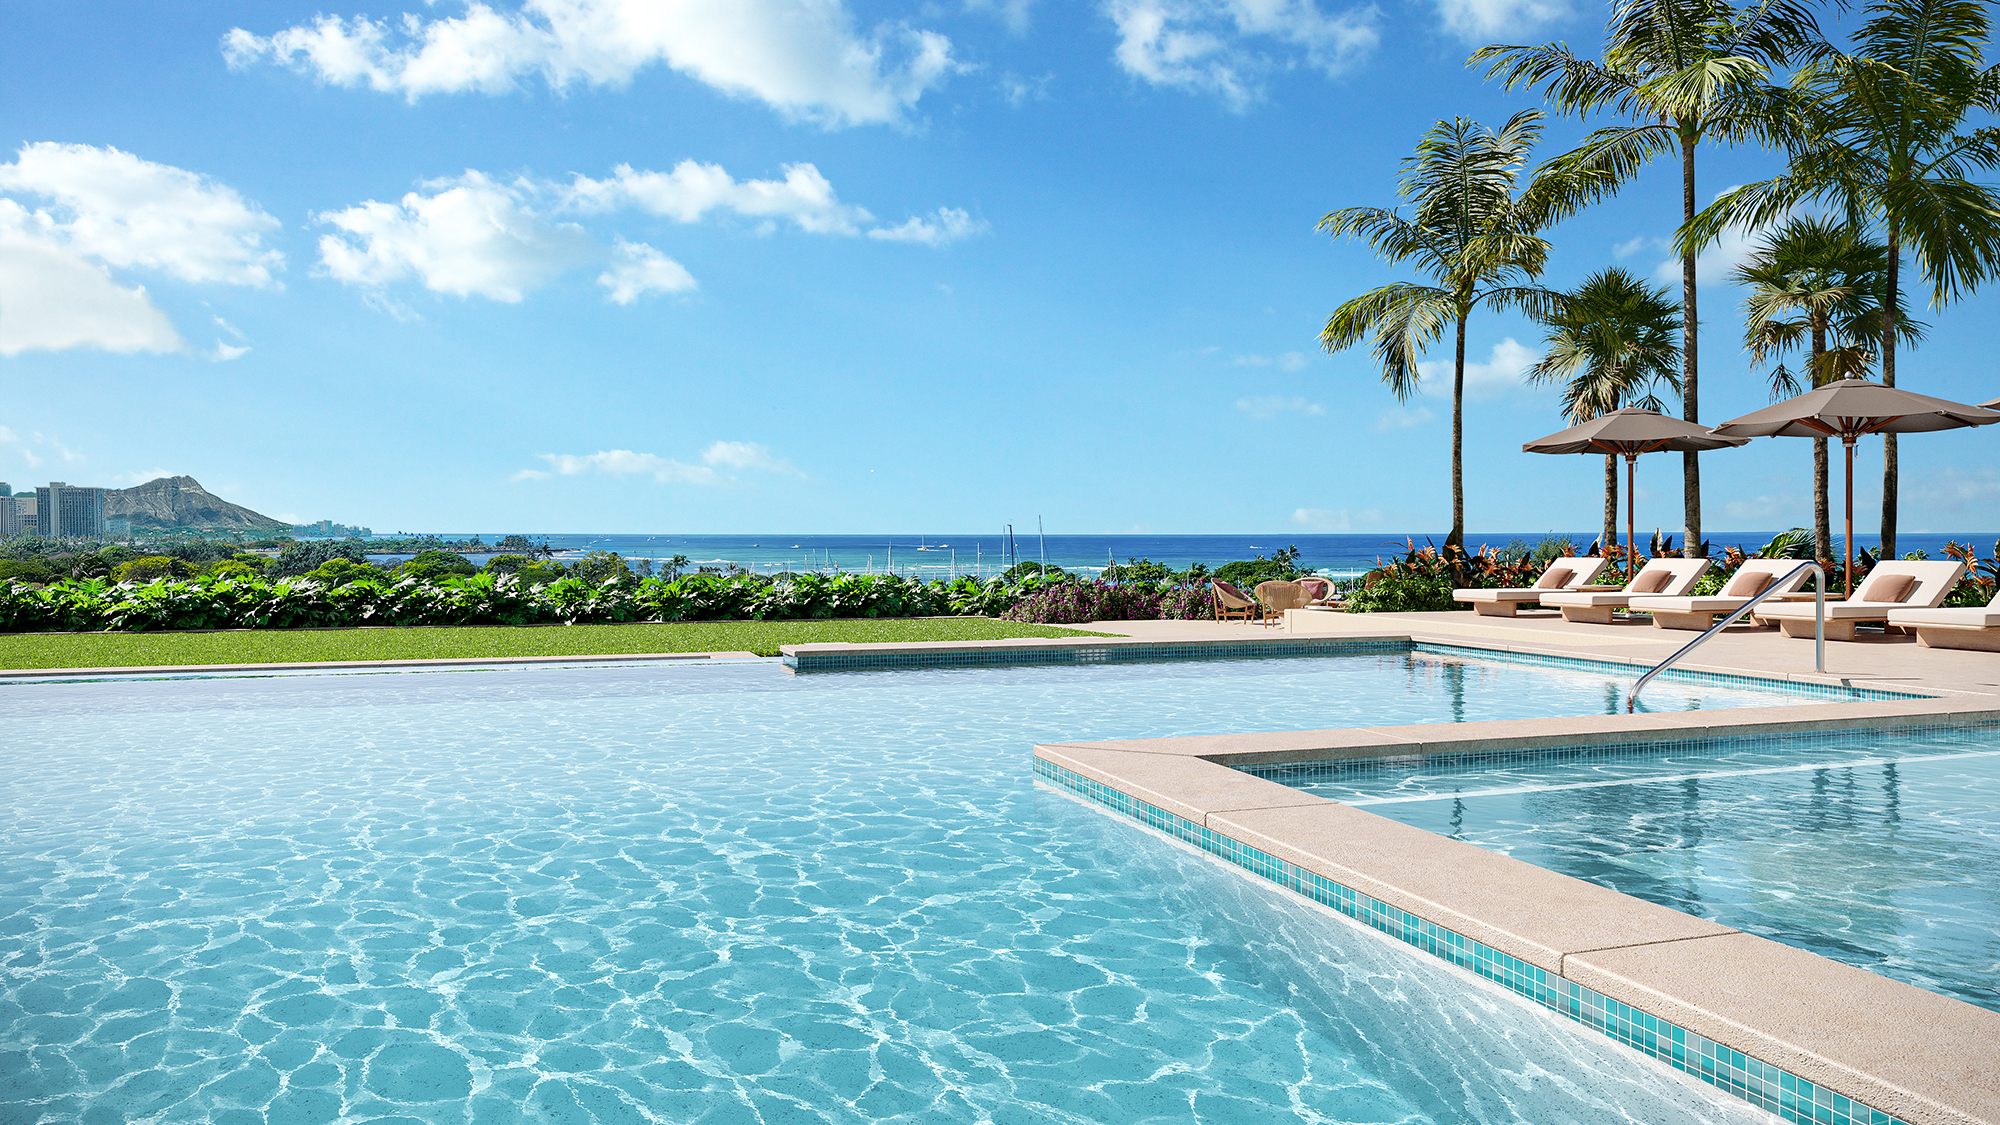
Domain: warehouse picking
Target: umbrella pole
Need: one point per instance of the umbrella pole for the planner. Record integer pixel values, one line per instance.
(1631, 536)
(1847, 573)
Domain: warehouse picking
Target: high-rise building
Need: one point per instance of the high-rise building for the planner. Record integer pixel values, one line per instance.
(17, 514)
(65, 511)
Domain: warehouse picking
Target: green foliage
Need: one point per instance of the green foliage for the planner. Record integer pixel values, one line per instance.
(151, 568)
(1031, 568)
(1794, 544)
(301, 558)
(233, 568)
(342, 571)
(433, 564)
(25, 570)
(1138, 570)
(1403, 591)
(1278, 566)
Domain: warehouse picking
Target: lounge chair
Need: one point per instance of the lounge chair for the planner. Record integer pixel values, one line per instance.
(1566, 573)
(1972, 628)
(1666, 577)
(1277, 597)
(1751, 579)
(1892, 586)
(1232, 604)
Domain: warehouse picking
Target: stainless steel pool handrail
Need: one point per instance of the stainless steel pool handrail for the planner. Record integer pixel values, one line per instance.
(1819, 626)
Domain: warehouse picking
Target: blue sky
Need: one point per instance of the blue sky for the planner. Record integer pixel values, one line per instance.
(804, 265)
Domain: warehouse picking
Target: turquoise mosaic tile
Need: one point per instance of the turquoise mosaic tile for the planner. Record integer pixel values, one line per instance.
(1306, 773)
(1791, 1097)
(1677, 675)
(1278, 645)
(1291, 645)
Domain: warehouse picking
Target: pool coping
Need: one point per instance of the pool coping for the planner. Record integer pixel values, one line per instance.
(1795, 1033)
(326, 665)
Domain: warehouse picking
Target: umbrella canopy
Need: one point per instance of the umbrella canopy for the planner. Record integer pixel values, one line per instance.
(1628, 433)
(1994, 405)
(1850, 409)
(1853, 408)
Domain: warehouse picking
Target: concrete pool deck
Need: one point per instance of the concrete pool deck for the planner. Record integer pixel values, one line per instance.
(1577, 948)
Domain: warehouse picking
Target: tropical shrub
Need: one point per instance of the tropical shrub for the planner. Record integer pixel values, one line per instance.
(26, 570)
(433, 563)
(1280, 566)
(151, 567)
(342, 571)
(1069, 603)
(301, 558)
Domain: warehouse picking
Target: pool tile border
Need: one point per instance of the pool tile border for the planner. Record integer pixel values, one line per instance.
(1107, 650)
(1791, 1096)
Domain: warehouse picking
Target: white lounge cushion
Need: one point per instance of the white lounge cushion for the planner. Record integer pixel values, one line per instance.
(1982, 617)
(1586, 598)
(1689, 605)
(1514, 594)
(1835, 611)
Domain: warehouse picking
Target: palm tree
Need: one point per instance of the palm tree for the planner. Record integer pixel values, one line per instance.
(1473, 236)
(1820, 282)
(1685, 71)
(1612, 339)
(1880, 136)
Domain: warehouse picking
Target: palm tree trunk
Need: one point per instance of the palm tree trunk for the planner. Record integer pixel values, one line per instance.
(1610, 499)
(1822, 518)
(1889, 379)
(1690, 333)
(1457, 536)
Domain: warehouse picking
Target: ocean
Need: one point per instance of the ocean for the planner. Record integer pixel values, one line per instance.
(948, 555)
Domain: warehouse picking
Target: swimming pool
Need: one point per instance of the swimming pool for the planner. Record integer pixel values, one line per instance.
(1873, 848)
(718, 893)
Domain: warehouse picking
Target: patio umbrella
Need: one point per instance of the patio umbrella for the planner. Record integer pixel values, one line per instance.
(1994, 405)
(1628, 433)
(1849, 409)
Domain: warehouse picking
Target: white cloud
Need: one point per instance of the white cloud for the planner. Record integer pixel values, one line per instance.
(1331, 520)
(1480, 20)
(127, 480)
(1223, 47)
(1402, 418)
(638, 269)
(1634, 244)
(731, 455)
(1270, 406)
(223, 353)
(52, 298)
(692, 190)
(27, 447)
(624, 462)
(468, 236)
(804, 58)
(1019, 91)
(1288, 361)
(1769, 511)
(946, 226)
(1971, 490)
(1504, 371)
(124, 211)
(1013, 13)
(746, 455)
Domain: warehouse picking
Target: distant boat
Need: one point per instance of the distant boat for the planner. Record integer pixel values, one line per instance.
(795, 546)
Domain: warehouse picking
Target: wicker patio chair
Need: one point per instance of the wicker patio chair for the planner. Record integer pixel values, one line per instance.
(1232, 604)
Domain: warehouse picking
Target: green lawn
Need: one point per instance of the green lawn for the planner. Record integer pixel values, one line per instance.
(283, 646)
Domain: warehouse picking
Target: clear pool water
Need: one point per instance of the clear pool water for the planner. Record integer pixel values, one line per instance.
(717, 894)
(1875, 849)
